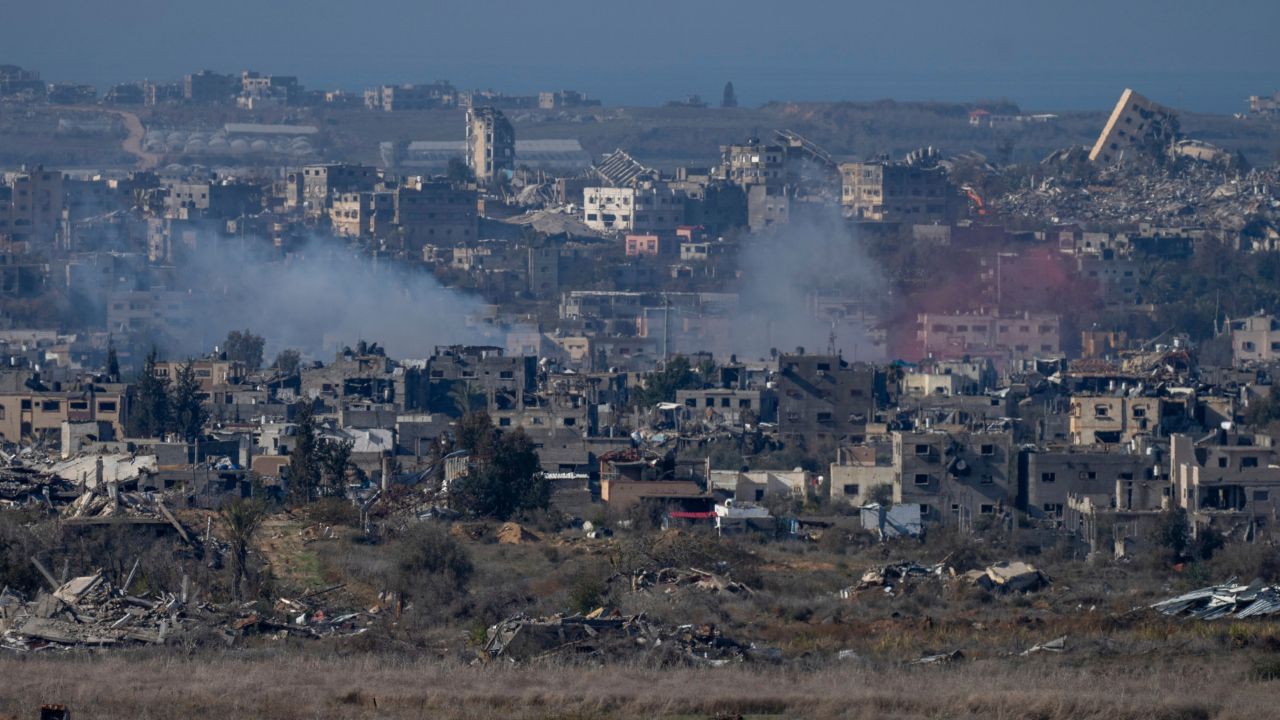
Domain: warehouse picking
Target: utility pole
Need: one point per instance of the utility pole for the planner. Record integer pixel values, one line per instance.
(666, 326)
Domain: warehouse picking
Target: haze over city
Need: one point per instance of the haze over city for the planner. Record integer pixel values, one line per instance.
(1203, 56)
(674, 360)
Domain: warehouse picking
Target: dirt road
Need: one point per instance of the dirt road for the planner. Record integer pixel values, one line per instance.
(133, 142)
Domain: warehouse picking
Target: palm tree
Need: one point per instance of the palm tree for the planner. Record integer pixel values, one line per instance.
(241, 518)
(464, 399)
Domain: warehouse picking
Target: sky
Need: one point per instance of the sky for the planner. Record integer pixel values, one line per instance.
(1192, 54)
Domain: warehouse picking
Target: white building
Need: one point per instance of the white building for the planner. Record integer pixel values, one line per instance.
(1255, 339)
(652, 207)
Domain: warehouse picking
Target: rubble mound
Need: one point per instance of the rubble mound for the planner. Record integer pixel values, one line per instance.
(515, 534)
(520, 638)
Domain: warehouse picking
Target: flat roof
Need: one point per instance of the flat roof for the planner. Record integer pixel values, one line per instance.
(263, 129)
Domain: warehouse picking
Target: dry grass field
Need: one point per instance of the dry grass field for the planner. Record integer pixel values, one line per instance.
(370, 686)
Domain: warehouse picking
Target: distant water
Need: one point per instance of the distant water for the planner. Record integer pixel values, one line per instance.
(1208, 92)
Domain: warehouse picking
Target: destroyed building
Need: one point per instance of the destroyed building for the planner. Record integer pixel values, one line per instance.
(1050, 476)
(956, 477)
(491, 144)
(1227, 481)
(652, 207)
(885, 191)
(459, 375)
(1136, 125)
(823, 398)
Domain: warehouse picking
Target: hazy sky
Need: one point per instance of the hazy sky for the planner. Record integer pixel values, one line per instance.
(1069, 54)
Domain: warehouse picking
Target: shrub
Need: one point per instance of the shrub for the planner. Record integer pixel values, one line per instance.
(587, 593)
(1268, 669)
(332, 511)
(424, 564)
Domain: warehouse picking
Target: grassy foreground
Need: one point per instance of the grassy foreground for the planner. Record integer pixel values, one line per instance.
(285, 687)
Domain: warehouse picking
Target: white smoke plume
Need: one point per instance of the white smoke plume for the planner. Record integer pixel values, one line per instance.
(802, 280)
(322, 298)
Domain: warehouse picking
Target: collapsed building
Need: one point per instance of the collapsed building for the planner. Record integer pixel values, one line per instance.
(1137, 124)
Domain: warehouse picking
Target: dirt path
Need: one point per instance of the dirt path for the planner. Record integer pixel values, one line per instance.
(133, 143)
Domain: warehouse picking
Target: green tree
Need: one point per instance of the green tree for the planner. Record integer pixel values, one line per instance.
(304, 460)
(188, 414)
(335, 459)
(241, 519)
(288, 362)
(243, 346)
(149, 416)
(465, 400)
(1173, 533)
(476, 433)
(676, 374)
(505, 475)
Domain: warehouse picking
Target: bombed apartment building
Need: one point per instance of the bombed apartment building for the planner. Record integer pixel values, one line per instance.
(491, 144)
(1050, 476)
(1228, 481)
(649, 207)
(32, 408)
(361, 375)
(31, 204)
(434, 213)
(1137, 126)
(884, 191)
(956, 476)
(823, 399)
(217, 198)
(461, 378)
(400, 98)
(1113, 419)
(313, 187)
(1255, 339)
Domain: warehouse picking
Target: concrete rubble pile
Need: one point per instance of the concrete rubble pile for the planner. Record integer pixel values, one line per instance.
(1003, 577)
(520, 638)
(1229, 599)
(92, 612)
(894, 576)
(22, 486)
(89, 611)
(92, 504)
(112, 504)
(1200, 195)
(1007, 577)
(302, 617)
(673, 580)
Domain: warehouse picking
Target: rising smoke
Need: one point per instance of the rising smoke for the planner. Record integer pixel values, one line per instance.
(319, 299)
(803, 280)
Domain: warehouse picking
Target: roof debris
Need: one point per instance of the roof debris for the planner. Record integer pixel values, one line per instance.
(1229, 599)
